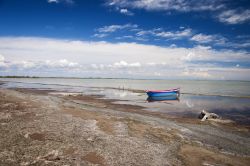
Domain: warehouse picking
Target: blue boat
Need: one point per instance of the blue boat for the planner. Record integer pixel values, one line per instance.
(171, 94)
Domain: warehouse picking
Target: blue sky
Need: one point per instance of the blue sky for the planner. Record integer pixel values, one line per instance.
(181, 39)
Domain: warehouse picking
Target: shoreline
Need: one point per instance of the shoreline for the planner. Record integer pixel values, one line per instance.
(60, 130)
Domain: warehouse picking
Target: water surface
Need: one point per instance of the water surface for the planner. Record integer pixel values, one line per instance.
(229, 99)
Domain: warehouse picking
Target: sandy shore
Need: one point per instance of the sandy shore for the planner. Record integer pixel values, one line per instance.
(39, 128)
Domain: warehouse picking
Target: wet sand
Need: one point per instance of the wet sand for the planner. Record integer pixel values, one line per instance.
(41, 128)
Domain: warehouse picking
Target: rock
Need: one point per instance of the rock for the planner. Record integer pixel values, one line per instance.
(9, 106)
(26, 135)
(3, 124)
(24, 163)
(53, 155)
(90, 139)
(5, 116)
(204, 115)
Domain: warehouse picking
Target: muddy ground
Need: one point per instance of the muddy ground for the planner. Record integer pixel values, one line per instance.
(39, 128)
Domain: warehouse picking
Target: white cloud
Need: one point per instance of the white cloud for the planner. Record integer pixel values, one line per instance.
(153, 32)
(83, 58)
(62, 63)
(40, 65)
(238, 45)
(172, 46)
(234, 16)
(189, 56)
(201, 47)
(174, 35)
(143, 32)
(2, 63)
(25, 64)
(113, 28)
(125, 37)
(220, 41)
(159, 32)
(139, 34)
(197, 73)
(212, 39)
(243, 37)
(221, 9)
(141, 39)
(201, 38)
(179, 5)
(69, 2)
(126, 12)
(122, 64)
(1, 58)
(53, 1)
(116, 65)
(100, 35)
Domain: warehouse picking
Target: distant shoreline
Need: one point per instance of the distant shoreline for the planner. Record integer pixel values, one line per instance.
(119, 78)
(61, 77)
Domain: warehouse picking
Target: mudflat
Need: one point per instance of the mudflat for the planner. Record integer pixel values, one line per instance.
(42, 128)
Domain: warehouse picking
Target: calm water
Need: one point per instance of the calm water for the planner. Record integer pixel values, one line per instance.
(229, 99)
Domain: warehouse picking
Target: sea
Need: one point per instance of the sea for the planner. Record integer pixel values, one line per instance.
(228, 99)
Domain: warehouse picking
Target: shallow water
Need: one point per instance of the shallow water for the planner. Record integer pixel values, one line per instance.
(229, 99)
